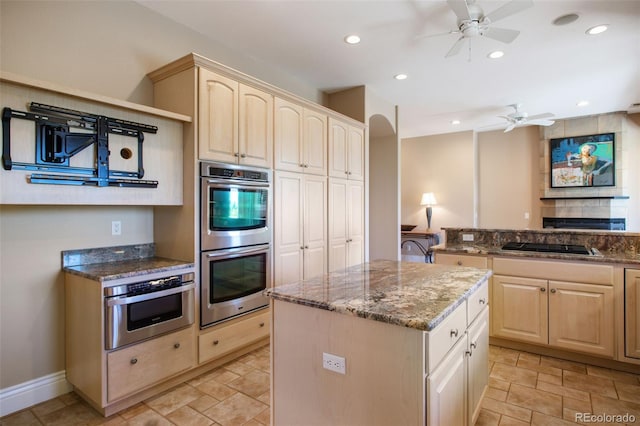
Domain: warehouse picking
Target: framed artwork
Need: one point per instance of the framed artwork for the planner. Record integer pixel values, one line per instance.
(583, 161)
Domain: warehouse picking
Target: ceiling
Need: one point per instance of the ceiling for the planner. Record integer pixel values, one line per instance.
(547, 68)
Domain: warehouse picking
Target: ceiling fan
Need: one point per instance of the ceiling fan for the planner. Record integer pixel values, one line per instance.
(472, 22)
(520, 118)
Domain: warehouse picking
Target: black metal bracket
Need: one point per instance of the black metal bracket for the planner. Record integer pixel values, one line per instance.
(56, 143)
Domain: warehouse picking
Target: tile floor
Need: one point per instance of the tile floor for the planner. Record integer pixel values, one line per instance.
(523, 389)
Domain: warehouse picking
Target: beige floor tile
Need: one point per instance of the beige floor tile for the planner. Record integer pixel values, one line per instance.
(618, 376)
(509, 421)
(591, 384)
(536, 366)
(499, 384)
(133, 411)
(237, 409)
(577, 404)
(203, 403)
(540, 419)
(549, 378)
(21, 418)
(497, 394)
(504, 356)
(238, 367)
(604, 405)
(173, 399)
(487, 418)
(563, 391)
(187, 416)
(47, 407)
(75, 414)
(514, 374)
(264, 417)
(514, 411)
(253, 384)
(576, 367)
(70, 398)
(535, 400)
(216, 390)
(148, 418)
(265, 397)
(628, 392)
(529, 357)
(224, 376)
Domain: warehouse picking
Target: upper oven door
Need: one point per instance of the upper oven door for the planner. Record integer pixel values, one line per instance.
(234, 213)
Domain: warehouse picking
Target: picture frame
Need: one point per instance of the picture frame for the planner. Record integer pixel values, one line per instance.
(582, 161)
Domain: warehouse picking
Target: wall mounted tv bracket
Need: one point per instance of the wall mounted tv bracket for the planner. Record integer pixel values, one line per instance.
(56, 143)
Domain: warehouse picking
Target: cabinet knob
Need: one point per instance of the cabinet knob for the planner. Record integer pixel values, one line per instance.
(301, 165)
(553, 290)
(261, 324)
(454, 333)
(236, 154)
(482, 301)
(301, 247)
(542, 289)
(306, 247)
(459, 262)
(177, 345)
(306, 166)
(346, 172)
(134, 361)
(215, 342)
(243, 155)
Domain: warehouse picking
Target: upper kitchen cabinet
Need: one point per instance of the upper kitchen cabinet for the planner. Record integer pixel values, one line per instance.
(235, 121)
(66, 146)
(346, 150)
(300, 139)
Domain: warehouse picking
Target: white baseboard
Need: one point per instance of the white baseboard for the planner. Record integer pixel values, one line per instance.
(23, 395)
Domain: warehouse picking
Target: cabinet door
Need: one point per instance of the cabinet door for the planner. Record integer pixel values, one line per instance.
(338, 140)
(519, 309)
(315, 226)
(315, 143)
(581, 317)
(338, 226)
(288, 133)
(256, 127)
(446, 389)
(355, 154)
(478, 363)
(288, 232)
(355, 220)
(632, 313)
(217, 117)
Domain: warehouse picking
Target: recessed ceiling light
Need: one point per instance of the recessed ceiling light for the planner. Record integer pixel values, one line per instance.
(565, 19)
(352, 39)
(598, 29)
(455, 122)
(582, 104)
(400, 76)
(496, 54)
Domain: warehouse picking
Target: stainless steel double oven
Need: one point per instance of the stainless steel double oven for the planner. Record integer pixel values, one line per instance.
(235, 241)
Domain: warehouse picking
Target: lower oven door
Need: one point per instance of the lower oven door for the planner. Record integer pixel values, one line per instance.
(233, 282)
(130, 319)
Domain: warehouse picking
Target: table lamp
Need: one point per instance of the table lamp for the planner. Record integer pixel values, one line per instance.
(428, 199)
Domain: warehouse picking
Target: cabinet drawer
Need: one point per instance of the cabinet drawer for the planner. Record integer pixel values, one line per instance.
(477, 301)
(445, 335)
(461, 260)
(554, 270)
(231, 336)
(136, 367)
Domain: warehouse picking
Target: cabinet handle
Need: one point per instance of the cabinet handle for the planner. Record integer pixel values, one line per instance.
(473, 345)
(305, 166)
(459, 262)
(215, 342)
(301, 247)
(134, 361)
(243, 155)
(542, 289)
(346, 172)
(482, 301)
(553, 290)
(236, 154)
(176, 345)
(261, 324)
(301, 165)
(454, 333)
(306, 247)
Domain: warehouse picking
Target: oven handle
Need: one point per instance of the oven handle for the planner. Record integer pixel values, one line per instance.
(226, 182)
(238, 252)
(124, 300)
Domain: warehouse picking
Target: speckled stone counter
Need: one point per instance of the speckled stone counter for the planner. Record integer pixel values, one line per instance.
(112, 263)
(612, 246)
(414, 295)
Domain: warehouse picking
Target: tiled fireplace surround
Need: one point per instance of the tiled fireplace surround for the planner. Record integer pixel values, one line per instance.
(604, 202)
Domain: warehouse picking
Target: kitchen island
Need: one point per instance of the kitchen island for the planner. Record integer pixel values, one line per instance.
(384, 342)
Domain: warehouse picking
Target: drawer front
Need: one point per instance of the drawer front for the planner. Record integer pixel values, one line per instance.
(134, 368)
(445, 335)
(477, 302)
(554, 270)
(461, 260)
(234, 335)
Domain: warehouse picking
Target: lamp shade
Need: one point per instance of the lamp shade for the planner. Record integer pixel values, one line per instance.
(428, 199)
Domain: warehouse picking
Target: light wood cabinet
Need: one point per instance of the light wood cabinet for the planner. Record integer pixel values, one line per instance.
(461, 260)
(346, 223)
(235, 121)
(545, 310)
(300, 227)
(300, 141)
(346, 150)
(632, 313)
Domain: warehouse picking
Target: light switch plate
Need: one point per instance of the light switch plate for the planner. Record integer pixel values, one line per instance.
(467, 237)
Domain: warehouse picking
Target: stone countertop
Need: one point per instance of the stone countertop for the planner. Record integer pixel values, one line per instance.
(415, 295)
(109, 271)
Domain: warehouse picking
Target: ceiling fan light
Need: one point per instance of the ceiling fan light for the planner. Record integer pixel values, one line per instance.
(352, 39)
(598, 29)
(496, 54)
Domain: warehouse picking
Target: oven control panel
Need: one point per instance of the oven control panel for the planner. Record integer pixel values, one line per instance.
(150, 286)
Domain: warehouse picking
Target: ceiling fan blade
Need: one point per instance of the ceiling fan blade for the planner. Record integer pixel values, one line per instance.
(455, 49)
(502, 34)
(509, 128)
(539, 116)
(541, 122)
(460, 8)
(436, 35)
(509, 9)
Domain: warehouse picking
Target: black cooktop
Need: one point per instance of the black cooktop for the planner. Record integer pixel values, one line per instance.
(547, 248)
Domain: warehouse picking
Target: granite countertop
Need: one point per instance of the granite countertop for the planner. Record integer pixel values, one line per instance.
(112, 263)
(415, 295)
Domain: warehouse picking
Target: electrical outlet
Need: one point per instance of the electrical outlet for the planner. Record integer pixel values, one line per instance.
(334, 363)
(526, 215)
(116, 227)
(467, 237)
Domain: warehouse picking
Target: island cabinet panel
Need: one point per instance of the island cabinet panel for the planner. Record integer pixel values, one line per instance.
(478, 363)
(384, 364)
(446, 389)
(441, 339)
(632, 313)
